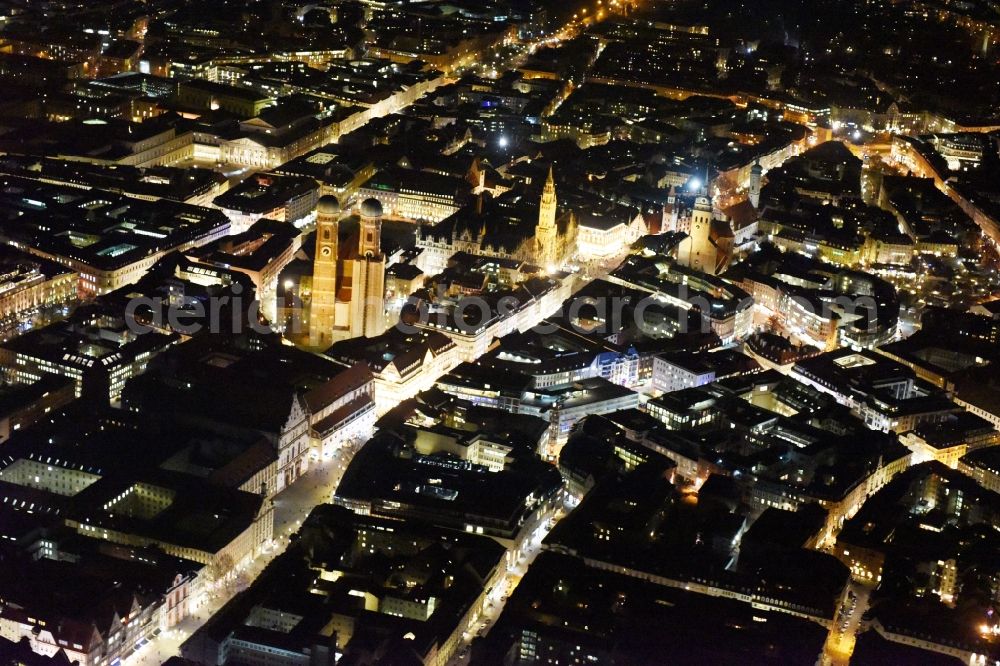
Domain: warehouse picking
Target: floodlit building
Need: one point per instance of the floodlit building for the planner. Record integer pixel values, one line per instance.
(344, 297)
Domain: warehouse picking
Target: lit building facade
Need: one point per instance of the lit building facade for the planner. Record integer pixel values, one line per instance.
(346, 296)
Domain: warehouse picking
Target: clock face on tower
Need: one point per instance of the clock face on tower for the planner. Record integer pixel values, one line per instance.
(325, 251)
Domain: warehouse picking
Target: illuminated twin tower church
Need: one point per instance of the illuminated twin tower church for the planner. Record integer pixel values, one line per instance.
(347, 293)
(344, 297)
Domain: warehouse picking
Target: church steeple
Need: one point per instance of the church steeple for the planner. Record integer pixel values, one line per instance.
(547, 209)
(368, 275)
(324, 278)
(546, 232)
(756, 172)
(369, 240)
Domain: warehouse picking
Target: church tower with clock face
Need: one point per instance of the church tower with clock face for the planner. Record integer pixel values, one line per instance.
(546, 231)
(702, 256)
(697, 251)
(368, 275)
(322, 311)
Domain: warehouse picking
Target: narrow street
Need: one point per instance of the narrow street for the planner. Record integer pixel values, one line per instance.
(846, 622)
(290, 508)
(522, 554)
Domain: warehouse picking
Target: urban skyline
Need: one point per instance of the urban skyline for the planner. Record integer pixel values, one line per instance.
(499, 332)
